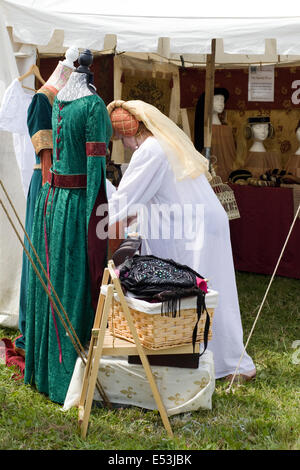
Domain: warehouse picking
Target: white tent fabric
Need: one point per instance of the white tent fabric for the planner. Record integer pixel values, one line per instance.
(10, 247)
(190, 25)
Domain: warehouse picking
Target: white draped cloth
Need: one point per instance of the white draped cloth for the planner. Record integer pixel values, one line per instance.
(181, 389)
(10, 247)
(13, 118)
(184, 221)
(110, 189)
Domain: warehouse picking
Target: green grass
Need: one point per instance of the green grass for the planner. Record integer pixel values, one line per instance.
(263, 414)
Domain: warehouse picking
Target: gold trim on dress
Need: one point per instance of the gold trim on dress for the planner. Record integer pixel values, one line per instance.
(50, 95)
(42, 140)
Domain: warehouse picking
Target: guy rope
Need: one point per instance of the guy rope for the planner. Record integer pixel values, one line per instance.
(69, 329)
(265, 296)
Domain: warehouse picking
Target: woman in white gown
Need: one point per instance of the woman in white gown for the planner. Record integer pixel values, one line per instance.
(180, 216)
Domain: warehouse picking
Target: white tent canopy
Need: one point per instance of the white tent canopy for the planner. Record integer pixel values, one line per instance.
(190, 25)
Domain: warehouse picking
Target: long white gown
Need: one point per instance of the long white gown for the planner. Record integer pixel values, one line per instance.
(110, 189)
(191, 213)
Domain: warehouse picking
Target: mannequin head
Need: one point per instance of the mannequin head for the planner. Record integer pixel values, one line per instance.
(261, 126)
(71, 57)
(221, 92)
(218, 108)
(259, 129)
(85, 61)
(62, 72)
(59, 78)
(221, 95)
(297, 131)
(218, 104)
(80, 81)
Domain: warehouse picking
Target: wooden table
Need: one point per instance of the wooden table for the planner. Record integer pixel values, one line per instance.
(258, 237)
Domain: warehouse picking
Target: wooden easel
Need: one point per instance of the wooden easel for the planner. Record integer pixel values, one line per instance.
(103, 343)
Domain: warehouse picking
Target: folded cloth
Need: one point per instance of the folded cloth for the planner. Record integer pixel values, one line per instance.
(167, 281)
(238, 175)
(13, 358)
(126, 250)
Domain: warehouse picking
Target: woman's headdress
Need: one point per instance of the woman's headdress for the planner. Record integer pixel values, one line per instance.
(123, 122)
(185, 160)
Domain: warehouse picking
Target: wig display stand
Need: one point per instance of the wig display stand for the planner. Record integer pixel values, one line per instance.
(209, 96)
(103, 343)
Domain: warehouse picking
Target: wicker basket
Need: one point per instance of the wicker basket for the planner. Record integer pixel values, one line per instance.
(156, 331)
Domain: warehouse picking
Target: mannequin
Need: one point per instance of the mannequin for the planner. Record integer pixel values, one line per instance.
(293, 164)
(61, 74)
(42, 140)
(298, 137)
(258, 159)
(260, 133)
(218, 108)
(40, 130)
(70, 245)
(80, 85)
(222, 144)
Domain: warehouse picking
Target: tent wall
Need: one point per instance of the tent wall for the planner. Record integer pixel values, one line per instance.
(190, 26)
(10, 247)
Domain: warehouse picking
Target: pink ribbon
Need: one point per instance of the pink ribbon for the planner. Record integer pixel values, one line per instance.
(202, 284)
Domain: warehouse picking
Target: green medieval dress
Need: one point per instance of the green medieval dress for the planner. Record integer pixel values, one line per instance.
(67, 242)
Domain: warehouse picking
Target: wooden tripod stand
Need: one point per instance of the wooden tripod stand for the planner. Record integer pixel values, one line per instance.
(102, 344)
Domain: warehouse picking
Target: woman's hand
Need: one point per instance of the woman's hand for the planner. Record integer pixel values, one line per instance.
(116, 233)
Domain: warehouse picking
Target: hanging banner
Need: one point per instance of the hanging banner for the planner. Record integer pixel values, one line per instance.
(286, 88)
(261, 83)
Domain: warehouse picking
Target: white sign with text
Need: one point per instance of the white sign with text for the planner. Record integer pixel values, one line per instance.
(261, 83)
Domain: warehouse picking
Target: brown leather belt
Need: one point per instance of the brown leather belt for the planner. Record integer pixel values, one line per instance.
(67, 181)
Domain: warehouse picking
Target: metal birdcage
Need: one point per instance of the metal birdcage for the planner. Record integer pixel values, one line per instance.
(224, 193)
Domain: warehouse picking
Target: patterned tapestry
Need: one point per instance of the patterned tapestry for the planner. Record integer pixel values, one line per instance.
(192, 84)
(283, 112)
(153, 90)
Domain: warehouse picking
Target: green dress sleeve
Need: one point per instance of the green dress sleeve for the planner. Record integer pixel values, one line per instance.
(39, 122)
(98, 134)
